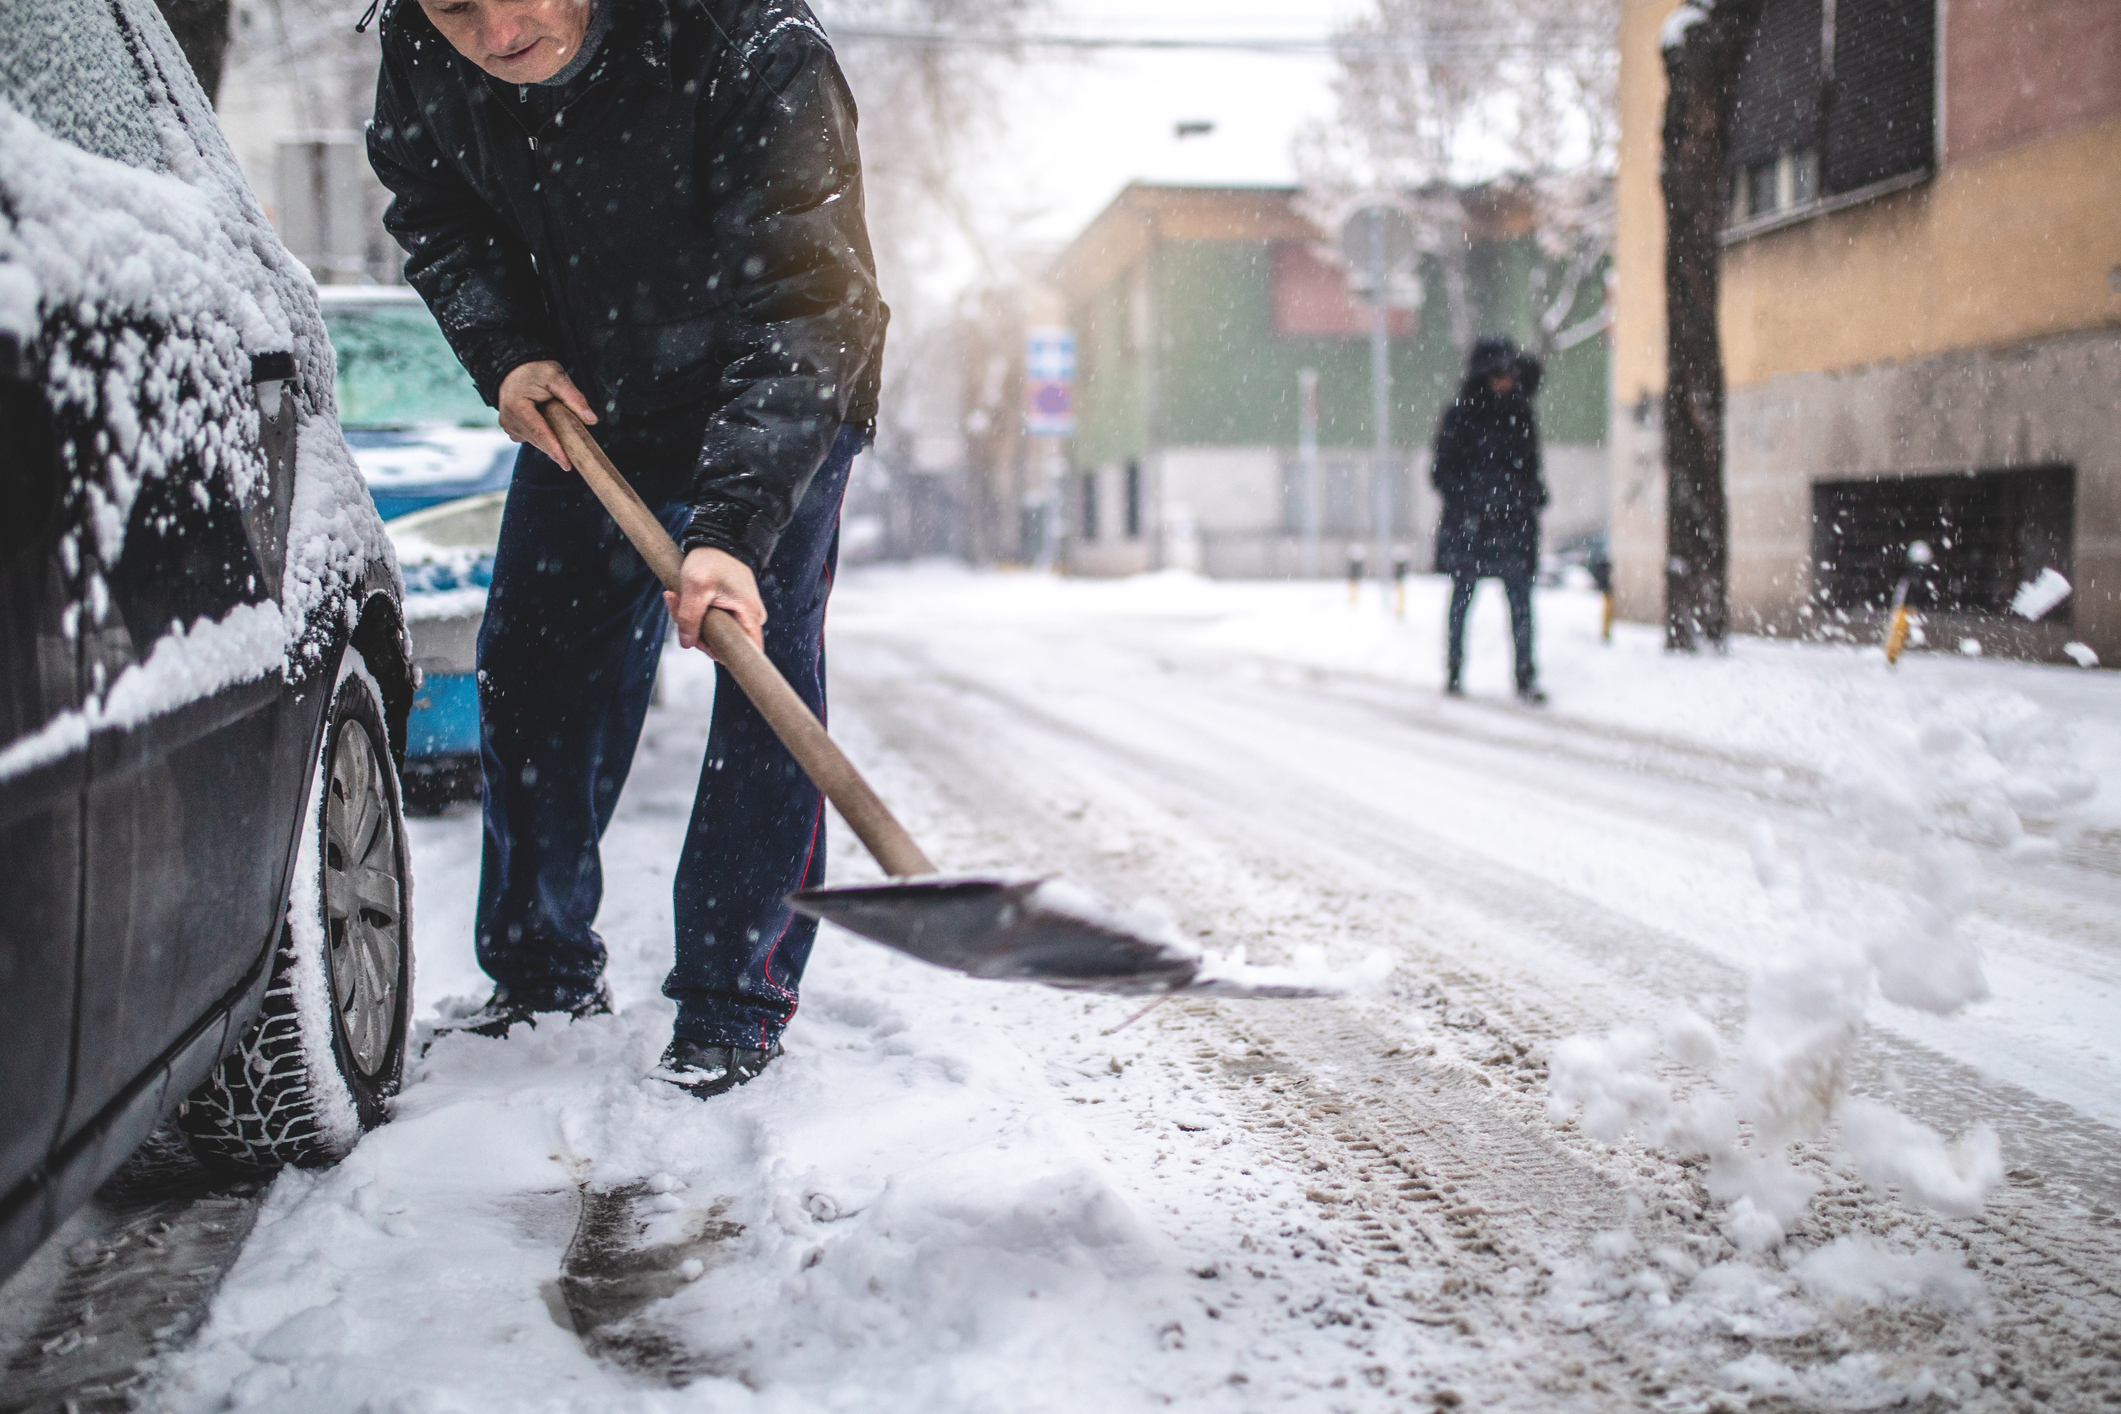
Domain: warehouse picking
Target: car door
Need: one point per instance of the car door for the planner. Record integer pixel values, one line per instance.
(192, 798)
(189, 821)
(43, 754)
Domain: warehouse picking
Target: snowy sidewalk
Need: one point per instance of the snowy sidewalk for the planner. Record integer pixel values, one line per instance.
(1802, 705)
(908, 1212)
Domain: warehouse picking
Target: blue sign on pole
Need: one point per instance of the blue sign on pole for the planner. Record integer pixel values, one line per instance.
(1049, 381)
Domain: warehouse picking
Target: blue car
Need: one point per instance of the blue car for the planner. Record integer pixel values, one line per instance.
(438, 466)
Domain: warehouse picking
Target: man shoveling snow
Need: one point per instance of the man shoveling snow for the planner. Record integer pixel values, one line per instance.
(651, 211)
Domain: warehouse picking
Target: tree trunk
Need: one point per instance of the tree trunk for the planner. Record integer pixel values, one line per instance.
(201, 27)
(1701, 66)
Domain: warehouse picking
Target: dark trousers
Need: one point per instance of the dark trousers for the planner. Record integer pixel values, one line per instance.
(1520, 596)
(567, 658)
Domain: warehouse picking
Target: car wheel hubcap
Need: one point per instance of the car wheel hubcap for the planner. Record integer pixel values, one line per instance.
(363, 898)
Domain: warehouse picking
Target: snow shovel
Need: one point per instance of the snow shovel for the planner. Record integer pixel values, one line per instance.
(1028, 929)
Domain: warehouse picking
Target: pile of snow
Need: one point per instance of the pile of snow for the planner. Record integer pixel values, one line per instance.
(904, 1213)
(953, 1195)
(1966, 767)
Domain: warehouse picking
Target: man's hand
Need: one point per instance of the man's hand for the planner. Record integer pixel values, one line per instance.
(715, 579)
(529, 384)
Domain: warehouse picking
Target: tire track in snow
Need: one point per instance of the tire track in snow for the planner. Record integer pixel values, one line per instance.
(1272, 821)
(125, 1281)
(2069, 1281)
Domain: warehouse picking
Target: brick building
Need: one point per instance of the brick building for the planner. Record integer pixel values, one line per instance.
(1921, 316)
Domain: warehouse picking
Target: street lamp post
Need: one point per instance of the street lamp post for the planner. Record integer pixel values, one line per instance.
(1379, 247)
(1307, 462)
(1380, 399)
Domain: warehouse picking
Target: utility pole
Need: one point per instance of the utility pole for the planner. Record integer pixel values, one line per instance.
(1380, 400)
(1046, 457)
(1049, 418)
(1378, 248)
(1307, 462)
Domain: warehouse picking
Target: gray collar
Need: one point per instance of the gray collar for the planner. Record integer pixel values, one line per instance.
(592, 37)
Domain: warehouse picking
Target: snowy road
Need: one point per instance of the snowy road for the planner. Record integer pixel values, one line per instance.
(1534, 875)
(955, 1195)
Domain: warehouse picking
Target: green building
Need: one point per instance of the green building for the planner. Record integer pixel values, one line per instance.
(1196, 309)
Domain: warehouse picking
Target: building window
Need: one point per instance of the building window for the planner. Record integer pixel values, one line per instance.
(1986, 532)
(1134, 500)
(1834, 97)
(1311, 299)
(1088, 528)
(1787, 181)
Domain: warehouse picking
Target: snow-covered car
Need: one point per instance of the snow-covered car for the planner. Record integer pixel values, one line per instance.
(437, 463)
(204, 672)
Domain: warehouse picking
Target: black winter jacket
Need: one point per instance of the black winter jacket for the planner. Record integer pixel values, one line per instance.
(679, 226)
(1487, 469)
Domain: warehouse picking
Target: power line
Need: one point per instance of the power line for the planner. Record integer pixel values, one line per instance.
(1548, 43)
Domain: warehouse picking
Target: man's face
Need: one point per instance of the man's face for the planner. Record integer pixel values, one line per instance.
(518, 41)
(1502, 383)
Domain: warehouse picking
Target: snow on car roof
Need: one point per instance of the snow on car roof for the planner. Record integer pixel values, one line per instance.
(401, 460)
(330, 295)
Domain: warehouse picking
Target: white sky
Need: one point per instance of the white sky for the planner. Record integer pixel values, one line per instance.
(1080, 126)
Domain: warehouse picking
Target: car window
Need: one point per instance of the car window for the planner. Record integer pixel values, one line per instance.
(396, 369)
(65, 64)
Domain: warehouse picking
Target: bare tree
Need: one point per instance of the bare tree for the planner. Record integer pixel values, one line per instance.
(927, 106)
(929, 112)
(202, 32)
(1704, 42)
(311, 49)
(1436, 94)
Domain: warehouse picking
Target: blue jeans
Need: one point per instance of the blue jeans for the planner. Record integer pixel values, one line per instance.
(567, 658)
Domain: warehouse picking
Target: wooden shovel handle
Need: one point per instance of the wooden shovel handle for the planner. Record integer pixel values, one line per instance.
(788, 715)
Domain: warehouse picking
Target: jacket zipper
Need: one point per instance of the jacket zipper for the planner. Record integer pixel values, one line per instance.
(545, 207)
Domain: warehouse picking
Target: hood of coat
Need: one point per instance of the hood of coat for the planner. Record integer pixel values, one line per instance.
(1494, 354)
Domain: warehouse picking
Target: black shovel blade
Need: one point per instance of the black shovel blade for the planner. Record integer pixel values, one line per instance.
(999, 928)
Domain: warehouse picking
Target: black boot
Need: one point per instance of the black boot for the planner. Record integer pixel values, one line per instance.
(1529, 694)
(503, 1012)
(707, 1071)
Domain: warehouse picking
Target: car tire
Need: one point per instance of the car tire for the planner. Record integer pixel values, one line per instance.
(316, 1069)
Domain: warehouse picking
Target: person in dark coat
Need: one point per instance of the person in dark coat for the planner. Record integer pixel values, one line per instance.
(1487, 470)
(651, 211)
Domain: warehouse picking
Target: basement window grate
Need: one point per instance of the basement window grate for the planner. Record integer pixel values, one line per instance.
(1988, 532)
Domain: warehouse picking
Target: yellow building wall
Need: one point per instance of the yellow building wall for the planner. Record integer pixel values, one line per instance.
(2013, 245)
(1638, 221)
